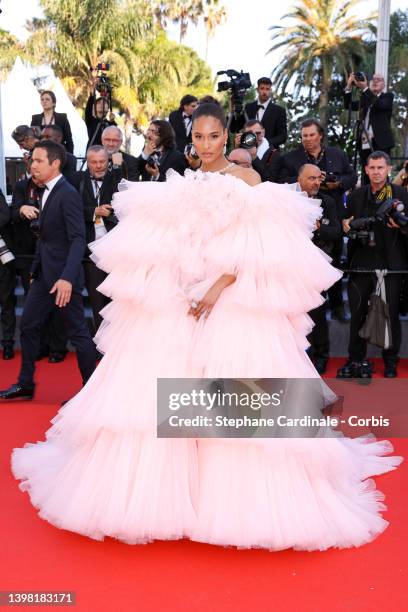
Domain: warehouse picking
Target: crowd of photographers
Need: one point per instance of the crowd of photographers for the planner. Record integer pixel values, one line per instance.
(372, 216)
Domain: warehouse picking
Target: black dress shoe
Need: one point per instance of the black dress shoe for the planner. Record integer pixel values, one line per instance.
(365, 370)
(41, 354)
(340, 315)
(56, 357)
(320, 364)
(8, 352)
(348, 370)
(390, 370)
(17, 392)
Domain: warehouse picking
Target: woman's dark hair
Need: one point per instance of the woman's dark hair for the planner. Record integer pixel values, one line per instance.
(51, 94)
(54, 151)
(210, 110)
(315, 122)
(167, 137)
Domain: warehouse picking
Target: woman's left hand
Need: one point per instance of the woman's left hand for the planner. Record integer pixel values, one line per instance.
(205, 306)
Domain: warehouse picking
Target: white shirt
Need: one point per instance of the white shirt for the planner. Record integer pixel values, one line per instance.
(50, 186)
(262, 148)
(187, 123)
(100, 229)
(260, 112)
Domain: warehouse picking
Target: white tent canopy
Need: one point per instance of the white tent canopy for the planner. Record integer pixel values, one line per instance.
(20, 99)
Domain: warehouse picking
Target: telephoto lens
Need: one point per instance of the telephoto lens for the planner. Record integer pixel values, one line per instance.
(248, 140)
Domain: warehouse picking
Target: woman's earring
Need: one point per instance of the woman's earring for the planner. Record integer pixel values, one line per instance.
(225, 148)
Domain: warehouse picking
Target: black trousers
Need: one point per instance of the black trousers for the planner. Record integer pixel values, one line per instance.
(38, 305)
(319, 336)
(94, 276)
(335, 292)
(8, 303)
(360, 287)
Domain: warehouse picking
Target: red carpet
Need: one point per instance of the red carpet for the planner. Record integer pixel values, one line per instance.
(185, 576)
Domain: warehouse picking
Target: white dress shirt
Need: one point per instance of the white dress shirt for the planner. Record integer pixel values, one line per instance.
(49, 187)
(262, 148)
(260, 112)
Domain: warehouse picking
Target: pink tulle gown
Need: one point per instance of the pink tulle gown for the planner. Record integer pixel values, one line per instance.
(102, 471)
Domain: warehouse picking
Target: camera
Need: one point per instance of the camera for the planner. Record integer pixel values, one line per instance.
(360, 76)
(238, 84)
(5, 254)
(392, 208)
(189, 149)
(103, 86)
(331, 177)
(361, 229)
(248, 140)
(153, 159)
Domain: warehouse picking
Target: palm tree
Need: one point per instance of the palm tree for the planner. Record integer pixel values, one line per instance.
(183, 12)
(214, 16)
(10, 48)
(325, 37)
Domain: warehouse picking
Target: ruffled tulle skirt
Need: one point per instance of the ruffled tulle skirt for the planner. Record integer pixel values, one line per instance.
(103, 472)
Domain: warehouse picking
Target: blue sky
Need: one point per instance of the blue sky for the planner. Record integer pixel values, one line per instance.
(241, 43)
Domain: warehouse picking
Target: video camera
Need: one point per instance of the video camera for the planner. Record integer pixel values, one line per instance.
(103, 86)
(238, 84)
(362, 229)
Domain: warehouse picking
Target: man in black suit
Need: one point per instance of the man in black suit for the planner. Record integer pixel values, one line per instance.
(25, 207)
(56, 271)
(328, 229)
(159, 153)
(96, 186)
(387, 252)
(127, 166)
(181, 121)
(54, 132)
(337, 176)
(270, 115)
(375, 111)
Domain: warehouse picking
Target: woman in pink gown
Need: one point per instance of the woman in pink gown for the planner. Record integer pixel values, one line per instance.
(210, 275)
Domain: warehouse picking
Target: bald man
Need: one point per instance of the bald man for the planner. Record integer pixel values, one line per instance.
(125, 164)
(241, 157)
(328, 230)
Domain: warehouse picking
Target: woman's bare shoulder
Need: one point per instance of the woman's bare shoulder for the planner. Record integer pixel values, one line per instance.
(250, 176)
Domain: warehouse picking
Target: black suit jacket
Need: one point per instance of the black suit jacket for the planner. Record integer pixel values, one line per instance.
(70, 166)
(130, 169)
(177, 122)
(330, 228)
(171, 158)
(93, 124)
(273, 120)
(24, 192)
(268, 167)
(61, 244)
(62, 121)
(336, 161)
(391, 250)
(82, 182)
(380, 116)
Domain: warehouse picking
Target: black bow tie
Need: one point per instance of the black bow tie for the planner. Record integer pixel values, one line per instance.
(261, 106)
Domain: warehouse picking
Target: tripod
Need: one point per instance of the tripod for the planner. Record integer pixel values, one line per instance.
(359, 131)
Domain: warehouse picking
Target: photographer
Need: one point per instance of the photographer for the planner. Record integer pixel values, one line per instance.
(181, 121)
(265, 158)
(54, 132)
(96, 186)
(337, 176)
(125, 165)
(271, 116)
(26, 137)
(377, 241)
(159, 153)
(98, 115)
(327, 232)
(375, 111)
(7, 280)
